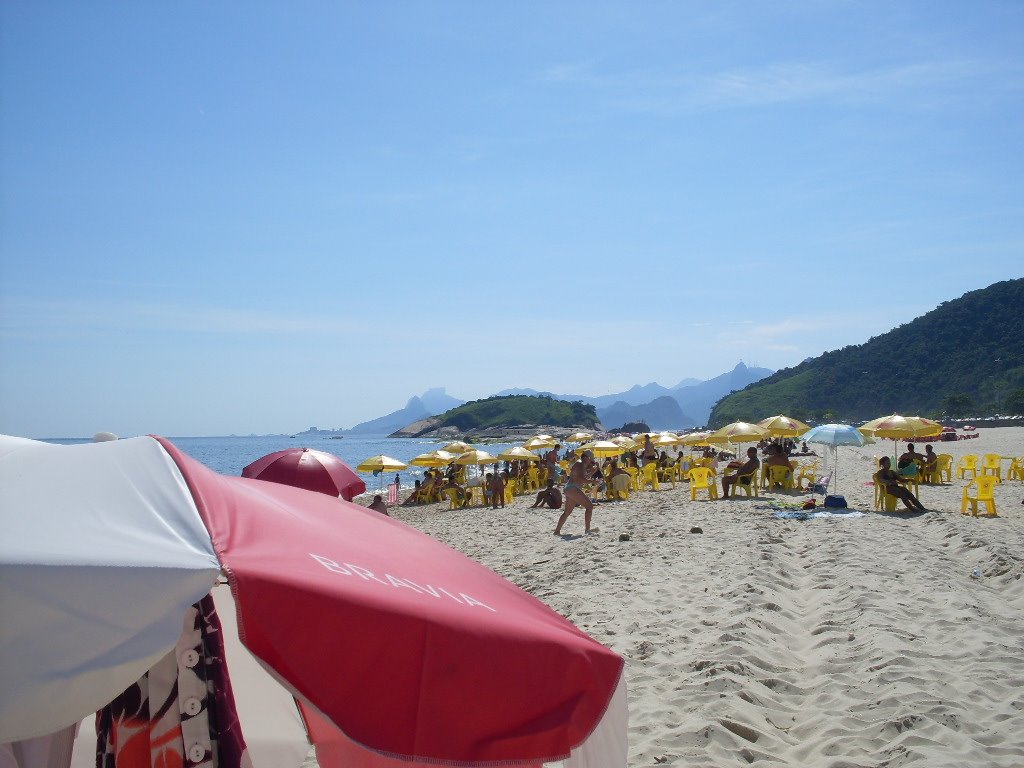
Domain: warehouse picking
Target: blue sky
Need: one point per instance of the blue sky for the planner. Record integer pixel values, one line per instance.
(233, 217)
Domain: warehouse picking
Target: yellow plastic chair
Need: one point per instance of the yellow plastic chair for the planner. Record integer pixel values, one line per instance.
(668, 474)
(781, 477)
(512, 486)
(984, 486)
(454, 500)
(649, 476)
(943, 466)
(532, 479)
(968, 463)
(992, 464)
(618, 488)
(749, 487)
(884, 500)
(509, 495)
(808, 472)
(634, 478)
(702, 479)
(1016, 470)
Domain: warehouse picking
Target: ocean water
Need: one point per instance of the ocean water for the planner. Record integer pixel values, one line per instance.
(228, 455)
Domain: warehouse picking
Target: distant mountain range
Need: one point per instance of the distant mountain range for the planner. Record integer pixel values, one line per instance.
(965, 357)
(687, 404)
(430, 403)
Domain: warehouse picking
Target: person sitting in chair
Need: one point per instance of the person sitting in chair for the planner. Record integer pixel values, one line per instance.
(745, 471)
(931, 460)
(909, 461)
(893, 482)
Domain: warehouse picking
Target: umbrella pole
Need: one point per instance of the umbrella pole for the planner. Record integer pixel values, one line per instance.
(835, 468)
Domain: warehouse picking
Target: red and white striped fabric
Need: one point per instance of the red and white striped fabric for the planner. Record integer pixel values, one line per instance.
(396, 646)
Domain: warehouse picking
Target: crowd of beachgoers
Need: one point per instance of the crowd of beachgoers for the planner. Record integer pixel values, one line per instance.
(759, 631)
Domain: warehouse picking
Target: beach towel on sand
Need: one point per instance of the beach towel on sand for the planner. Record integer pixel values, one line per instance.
(790, 511)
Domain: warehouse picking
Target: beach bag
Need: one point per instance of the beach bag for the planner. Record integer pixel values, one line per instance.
(835, 501)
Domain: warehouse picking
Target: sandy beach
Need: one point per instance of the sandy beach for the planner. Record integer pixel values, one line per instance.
(851, 640)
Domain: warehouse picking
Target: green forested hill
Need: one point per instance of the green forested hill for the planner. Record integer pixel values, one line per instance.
(515, 410)
(966, 357)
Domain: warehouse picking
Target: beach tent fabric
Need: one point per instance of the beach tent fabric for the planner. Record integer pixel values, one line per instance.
(409, 648)
(90, 604)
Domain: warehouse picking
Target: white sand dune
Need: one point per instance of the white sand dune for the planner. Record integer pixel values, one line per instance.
(843, 641)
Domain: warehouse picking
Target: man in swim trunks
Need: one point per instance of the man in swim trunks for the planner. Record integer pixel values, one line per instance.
(575, 496)
(909, 462)
(551, 462)
(549, 497)
(649, 453)
(745, 470)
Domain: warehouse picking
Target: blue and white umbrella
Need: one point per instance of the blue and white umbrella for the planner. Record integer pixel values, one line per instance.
(834, 435)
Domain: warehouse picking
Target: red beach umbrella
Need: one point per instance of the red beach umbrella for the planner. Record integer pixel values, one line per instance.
(310, 469)
(394, 645)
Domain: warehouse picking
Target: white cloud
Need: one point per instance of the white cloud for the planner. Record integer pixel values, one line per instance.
(780, 83)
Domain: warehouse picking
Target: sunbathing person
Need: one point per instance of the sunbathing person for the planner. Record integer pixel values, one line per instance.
(416, 497)
(378, 505)
(549, 497)
(893, 482)
(745, 471)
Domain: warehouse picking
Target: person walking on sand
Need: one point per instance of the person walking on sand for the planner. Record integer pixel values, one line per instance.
(575, 496)
(549, 497)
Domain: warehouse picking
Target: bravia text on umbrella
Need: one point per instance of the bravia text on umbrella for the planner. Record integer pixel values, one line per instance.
(348, 569)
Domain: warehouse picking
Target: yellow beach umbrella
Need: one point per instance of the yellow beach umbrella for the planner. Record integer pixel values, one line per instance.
(433, 459)
(896, 428)
(381, 463)
(783, 426)
(579, 437)
(663, 439)
(540, 441)
(603, 448)
(737, 432)
(518, 454)
(899, 427)
(457, 447)
(474, 456)
(626, 442)
(696, 438)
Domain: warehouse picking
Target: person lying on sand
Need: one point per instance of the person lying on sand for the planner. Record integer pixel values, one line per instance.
(549, 497)
(893, 483)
